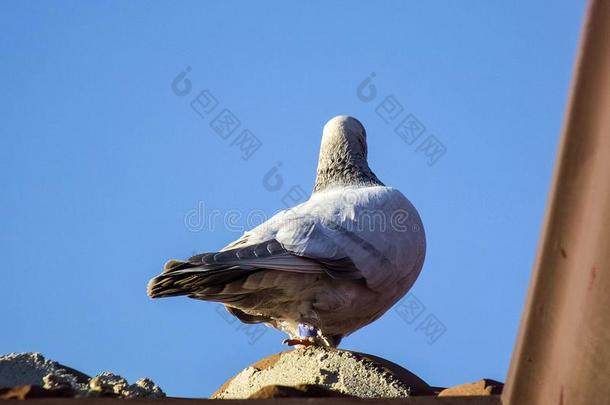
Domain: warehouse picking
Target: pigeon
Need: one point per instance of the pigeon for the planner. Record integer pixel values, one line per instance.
(321, 269)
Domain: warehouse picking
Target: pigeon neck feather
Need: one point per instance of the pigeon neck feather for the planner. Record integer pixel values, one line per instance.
(343, 162)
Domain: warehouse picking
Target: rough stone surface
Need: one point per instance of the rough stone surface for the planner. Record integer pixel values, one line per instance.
(30, 369)
(339, 371)
(45, 376)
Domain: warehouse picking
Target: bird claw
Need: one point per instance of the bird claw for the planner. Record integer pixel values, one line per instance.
(298, 342)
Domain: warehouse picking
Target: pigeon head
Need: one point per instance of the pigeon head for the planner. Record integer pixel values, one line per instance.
(344, 131)
(343, 155)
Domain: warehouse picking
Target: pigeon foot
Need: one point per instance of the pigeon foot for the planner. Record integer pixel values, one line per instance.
(303, 342)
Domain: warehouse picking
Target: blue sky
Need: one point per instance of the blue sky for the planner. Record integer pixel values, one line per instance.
(103, 164)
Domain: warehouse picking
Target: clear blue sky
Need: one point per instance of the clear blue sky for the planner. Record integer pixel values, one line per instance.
(101, 162)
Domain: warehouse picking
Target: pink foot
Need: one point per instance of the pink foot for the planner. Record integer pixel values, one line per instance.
(298, 342)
